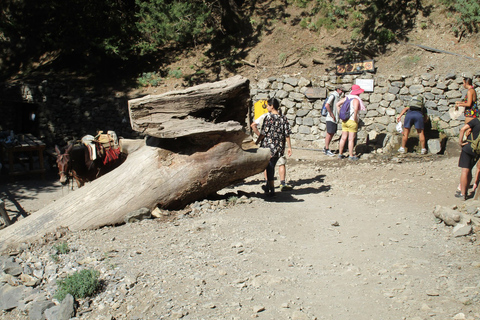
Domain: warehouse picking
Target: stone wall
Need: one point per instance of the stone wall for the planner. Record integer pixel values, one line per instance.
(67, 110)
(389, 97)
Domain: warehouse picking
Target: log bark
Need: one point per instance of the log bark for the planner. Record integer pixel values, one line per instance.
(193, 148)
(150, 177)
(206, 114)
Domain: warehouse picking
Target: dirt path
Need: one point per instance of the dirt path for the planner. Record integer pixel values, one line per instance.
(351, 241)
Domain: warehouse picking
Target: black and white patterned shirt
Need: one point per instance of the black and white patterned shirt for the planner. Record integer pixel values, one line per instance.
(276, 129)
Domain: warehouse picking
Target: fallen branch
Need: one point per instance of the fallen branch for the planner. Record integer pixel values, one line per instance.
(248, 63)
(441, 51)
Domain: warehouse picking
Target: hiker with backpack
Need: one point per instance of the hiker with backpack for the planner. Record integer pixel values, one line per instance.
(276, 132)
(469, 156)
(331, 113)
(416, 116)
(348, 111)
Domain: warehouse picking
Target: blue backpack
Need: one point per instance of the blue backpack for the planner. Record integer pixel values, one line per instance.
(324, 109)
(344, 113)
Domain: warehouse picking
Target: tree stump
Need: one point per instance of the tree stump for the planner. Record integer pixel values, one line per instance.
(196, 150)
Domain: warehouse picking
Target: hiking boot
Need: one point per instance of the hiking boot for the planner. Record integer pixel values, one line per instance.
(424, 151)
(354, 158)
(341, 156)
(285, 187)
(401, 150)
(329, 153)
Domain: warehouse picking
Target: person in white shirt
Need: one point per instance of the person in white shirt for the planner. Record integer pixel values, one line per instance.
(331, 118)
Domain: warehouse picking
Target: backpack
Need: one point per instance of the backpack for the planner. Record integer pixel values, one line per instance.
(475, 144)
(324, 109)
(344, 113)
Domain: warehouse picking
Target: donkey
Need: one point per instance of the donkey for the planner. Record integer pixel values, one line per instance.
(75, 163)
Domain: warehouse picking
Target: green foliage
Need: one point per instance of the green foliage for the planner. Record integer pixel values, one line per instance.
(467, 12)
(177, 73)
(79, 284)
(301, 3)
(161, 21)
(149, 79)
(232, 200)
(282, 58)
(62, 248)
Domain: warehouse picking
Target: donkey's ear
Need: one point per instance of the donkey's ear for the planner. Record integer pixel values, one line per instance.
(57, 150)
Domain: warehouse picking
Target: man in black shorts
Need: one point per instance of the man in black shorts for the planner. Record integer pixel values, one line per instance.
(331, 118)
(468, 157)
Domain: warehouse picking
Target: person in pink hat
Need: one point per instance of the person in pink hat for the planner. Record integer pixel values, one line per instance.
(350, 127)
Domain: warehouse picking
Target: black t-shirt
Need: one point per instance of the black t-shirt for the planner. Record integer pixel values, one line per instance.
(475, 126)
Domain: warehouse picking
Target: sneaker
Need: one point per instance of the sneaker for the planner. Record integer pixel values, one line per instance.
(329, 153)
(401, 150)
(341, 156)
(354, 158)
(459, 195)
(285, 187)
(324, 151)
(424, 151)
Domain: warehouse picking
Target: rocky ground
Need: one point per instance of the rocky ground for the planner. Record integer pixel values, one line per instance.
(352, 240)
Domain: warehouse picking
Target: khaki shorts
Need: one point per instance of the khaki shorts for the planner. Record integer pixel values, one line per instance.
(350, 126)
(282, 161)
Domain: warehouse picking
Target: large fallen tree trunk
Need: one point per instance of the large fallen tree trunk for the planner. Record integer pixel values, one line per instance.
(181, 164)
(150, 177)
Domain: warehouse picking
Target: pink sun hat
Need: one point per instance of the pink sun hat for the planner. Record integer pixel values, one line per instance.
(356, 90)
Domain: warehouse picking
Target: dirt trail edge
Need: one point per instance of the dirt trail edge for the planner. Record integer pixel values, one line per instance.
(350, 241)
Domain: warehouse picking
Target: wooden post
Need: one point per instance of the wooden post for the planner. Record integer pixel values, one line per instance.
(4, 213)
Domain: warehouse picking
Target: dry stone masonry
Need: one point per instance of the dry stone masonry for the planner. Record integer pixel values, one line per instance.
(68, 110)
(390, 95)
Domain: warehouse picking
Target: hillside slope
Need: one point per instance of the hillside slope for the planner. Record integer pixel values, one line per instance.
(284, 43)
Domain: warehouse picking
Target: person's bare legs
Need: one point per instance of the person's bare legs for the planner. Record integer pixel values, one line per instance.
(421, 137)
(328, 139)
(465, 179)
(351, 142)
(343, 139)
(406, 132)
(282, 172)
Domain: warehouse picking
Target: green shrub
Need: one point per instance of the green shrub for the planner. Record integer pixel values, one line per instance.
(177, 73)
(468, 14)
(149, 79)
(62, 248)
(79, 284)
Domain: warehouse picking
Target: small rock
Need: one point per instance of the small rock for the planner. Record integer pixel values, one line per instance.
(433, 293)
(334, 223)
(459, 316)
(38, 308)
(138, 215)
(258, 309)
(29, 281)
(65, 310)
(461, 230)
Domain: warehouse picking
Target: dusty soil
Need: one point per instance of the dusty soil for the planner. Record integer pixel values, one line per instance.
(285, 43)
(352, 240)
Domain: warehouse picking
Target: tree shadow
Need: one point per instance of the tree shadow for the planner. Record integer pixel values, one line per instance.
(15, 192)
(385, 22)
(280, 196)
